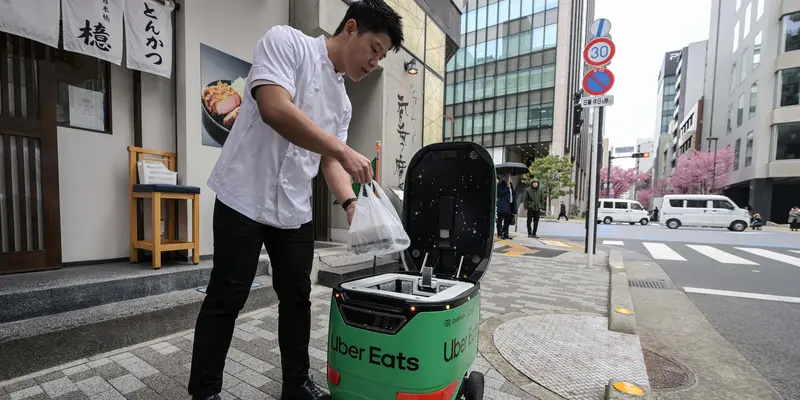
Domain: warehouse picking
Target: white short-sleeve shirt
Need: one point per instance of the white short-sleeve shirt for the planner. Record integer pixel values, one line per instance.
(259, 173)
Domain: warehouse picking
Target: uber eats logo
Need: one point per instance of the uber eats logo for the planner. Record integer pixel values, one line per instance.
(457, 346)
(374, 355)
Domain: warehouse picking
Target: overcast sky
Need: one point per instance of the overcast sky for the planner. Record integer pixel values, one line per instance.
(643, 30)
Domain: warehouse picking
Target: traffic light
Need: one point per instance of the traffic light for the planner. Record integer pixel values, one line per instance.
(577, 115)
(641, 155)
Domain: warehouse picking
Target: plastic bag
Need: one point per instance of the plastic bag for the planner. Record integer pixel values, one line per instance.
(376, 228)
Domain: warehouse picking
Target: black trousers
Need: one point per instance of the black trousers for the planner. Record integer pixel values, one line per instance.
(503, 222)
(237, 246)
(533, 215)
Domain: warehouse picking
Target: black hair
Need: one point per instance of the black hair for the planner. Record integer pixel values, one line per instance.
(375, 16)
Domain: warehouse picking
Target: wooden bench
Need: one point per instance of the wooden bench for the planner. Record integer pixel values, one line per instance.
(173, 194)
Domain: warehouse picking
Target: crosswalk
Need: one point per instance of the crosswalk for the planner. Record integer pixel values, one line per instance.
(746, 255)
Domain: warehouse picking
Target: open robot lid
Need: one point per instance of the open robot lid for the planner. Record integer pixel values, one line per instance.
(448, 210)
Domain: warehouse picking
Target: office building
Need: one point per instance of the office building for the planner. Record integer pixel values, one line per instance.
(689, 86)
(754, 51)
(665, 108)
(510, 86)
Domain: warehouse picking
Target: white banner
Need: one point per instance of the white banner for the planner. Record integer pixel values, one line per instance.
(148, 32)
(32, 19)
(94, 28)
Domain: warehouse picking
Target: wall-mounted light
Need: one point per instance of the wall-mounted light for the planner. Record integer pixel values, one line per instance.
(411, 67)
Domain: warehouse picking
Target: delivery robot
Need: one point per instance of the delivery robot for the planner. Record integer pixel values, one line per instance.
(414, 334)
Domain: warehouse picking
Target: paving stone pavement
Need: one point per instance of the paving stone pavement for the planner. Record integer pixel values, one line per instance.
(160, 369)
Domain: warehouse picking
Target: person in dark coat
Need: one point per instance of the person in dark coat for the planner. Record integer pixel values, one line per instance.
(506, 207)
(563, 212)
(534, 203)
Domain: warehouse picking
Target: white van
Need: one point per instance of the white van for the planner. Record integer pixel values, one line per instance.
(703, 210)
(619, 210)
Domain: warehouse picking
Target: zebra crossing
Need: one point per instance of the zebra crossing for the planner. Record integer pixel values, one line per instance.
(730, 255)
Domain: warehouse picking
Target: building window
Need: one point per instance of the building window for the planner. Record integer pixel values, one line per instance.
(760, 9)
(743, 75)
(82, 95)
(735, 36)
(753, 99)
(733, 77)
(736, 150)
(748, 150)
(791, 32)
(787, 145)
(747, 15)
(740, 112)
(757, 51)
(790, 85)
(728, 128)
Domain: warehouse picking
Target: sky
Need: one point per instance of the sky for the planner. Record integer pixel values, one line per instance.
(641, 41)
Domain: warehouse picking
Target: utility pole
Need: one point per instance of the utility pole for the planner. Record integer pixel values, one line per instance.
(714, 163)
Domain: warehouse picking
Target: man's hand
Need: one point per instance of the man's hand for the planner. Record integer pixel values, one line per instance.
(356, 165)
(351, 209)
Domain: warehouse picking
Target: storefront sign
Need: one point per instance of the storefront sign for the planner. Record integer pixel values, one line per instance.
(32, 19)
(94, 28)
(148, 32)
(86, 108)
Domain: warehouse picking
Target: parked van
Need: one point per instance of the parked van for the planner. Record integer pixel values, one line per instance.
(619, 210)
(703, 210)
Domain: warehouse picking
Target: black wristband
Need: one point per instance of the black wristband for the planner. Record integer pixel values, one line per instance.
(347, 202)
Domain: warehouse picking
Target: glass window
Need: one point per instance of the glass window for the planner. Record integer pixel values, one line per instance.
(744, 70)
(748, 150)
(549, 76)
(736, 36)
(491, 50)
(538, 6)
(527, 7)
(759, 9)
(788, 142)
(757, 51)
(525, 42)
(550, 32)
(523, 81)
(488, 123)
(538, 39)
(676, 203)
(469, 91)
(514, 10)
(513, 46)
(502, 12)
(511, 119)
(791, 32)
(482, 17)
(511, 83)
(608, 204)
(753, 99)
(459, 127)
(736, 149)
(790, 86)
(551, 4)
(460, 92)
(491, 12)
(449, 94)
(733, 77)
(479, 89)
(472, 20)
(468, 125)
(620, 205)
(728, 128)
(500, 85)
(522, 117)
(547, 114)
(747, 14)
(488, 89)
(696, 203)
(636, 206)
(740, 111)
(723, 205)
(86, 78)
(536, 78)
(534, 116)
(478, 124)
(499, 120)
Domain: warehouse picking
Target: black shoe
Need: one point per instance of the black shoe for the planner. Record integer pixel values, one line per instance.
(309, 391)
(214, 397)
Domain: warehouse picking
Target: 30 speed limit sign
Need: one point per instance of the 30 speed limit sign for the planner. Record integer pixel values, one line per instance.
(598, 52)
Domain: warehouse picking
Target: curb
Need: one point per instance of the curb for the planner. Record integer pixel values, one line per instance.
(621, 315)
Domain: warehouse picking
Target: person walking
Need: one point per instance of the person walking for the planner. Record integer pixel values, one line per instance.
(534, 204)
(294, 117)
(794, 219)
(562, 212)
(505, 208)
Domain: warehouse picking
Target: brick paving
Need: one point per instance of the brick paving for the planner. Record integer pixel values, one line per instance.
(160, 369)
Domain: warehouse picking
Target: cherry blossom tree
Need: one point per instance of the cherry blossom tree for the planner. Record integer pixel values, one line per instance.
(621, 180)
(657, 189)
(696, 172)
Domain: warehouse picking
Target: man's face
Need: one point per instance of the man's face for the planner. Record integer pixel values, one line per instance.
(535, 185)
(364, 51)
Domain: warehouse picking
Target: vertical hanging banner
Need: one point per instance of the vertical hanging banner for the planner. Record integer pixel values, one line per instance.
(32, 19)
(94, 28)
(148, 32)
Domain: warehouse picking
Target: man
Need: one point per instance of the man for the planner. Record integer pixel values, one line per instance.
(562, 212)
(534, 203)
(294, 118)
(506, 207)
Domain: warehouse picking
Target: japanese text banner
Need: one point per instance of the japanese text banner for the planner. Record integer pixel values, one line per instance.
(148, 29)
(94, 28)
(33, 19)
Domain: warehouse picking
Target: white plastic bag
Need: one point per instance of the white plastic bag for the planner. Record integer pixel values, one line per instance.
(376, 228)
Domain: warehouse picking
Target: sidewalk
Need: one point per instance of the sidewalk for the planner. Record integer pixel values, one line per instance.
(543, 335)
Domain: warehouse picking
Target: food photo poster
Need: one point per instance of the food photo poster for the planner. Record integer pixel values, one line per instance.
(222, 77)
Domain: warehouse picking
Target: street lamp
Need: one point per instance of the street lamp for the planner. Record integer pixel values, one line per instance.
(714, 163)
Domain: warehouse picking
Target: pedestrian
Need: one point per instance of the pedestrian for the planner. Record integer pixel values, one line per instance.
(294, 118)
(534, 204)
(794, 219)
(562, 212)
(505, 208)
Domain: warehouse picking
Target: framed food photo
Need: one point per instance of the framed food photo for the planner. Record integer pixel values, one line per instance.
(222, 78)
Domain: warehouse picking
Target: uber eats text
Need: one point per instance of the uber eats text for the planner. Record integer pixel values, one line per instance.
(457, 346)
(374, 355)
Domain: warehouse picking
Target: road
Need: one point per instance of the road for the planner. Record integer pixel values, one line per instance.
(747, 284)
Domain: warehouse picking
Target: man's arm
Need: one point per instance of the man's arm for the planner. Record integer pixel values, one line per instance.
(337, 178)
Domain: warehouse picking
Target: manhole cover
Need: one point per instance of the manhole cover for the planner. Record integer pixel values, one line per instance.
(665, 374)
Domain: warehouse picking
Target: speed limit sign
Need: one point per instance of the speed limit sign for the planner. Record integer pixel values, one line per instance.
(598, 52)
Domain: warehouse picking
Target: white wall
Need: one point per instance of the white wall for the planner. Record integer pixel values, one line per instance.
(199, 22)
